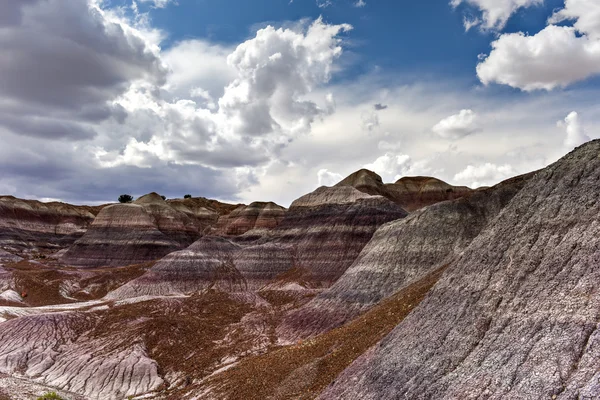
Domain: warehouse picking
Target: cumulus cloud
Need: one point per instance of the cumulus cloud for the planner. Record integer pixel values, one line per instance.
(458, 125)
(260, 112)
(85, 69)
(199, 65)
(586, 14)
(157, 3)
(390, 167)
(484, 175)
(555, 57)
(495, 13)
(259, 124)
(576, 135)
(328, 178)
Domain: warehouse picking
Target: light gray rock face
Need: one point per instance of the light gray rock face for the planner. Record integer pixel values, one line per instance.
(516, 315)
(400, 253)
(6, 257)
(208, 263)
(49, 349)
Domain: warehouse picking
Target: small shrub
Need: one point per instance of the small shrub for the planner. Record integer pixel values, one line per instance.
(50, 396)
(164, 197)
(125, 198)
(187, 196)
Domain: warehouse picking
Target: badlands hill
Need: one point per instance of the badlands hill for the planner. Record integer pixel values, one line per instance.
(365, 290)
(411, 192)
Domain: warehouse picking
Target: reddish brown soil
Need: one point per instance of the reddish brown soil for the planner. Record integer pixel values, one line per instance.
(286, 299)
(303, 370)
(183, 335)
(40, 284)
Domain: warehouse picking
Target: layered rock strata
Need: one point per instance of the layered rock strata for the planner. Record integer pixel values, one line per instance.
(124, 234)
(206, 264)
(29, 223)
(319, 237)
(258, 215)
(328, 228)
(516, 315)
(400, 253)
(411, 193)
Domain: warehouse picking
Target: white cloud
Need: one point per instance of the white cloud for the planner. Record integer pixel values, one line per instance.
(328, 178)
(484, 175)
(158, 3)
(260, 111)
(198, 64)
(495, 13)
(390, 167)
(555, 57)
(470, 23)
(586, 14)
(370, 120)
(159, 125)
(360, 3)
(576, 135)
(458, 125)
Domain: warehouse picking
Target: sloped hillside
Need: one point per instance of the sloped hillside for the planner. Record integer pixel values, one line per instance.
(516, 315)
(400, 253)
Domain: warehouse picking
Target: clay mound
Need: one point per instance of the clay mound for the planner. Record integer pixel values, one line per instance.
(172, 223)
(199, 203)
(204, 218)
(400, 253)
(421, 191)
(330, 195)
(411, 193)
(366, 181)
(328, 232)
(124, 234)
(260, 264)
(206, 264)
(30, 223)
(258, 215)
(516, 315)
(321, 240)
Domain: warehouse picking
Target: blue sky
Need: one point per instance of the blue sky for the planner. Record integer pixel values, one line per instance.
(405, 37)
(268, 99)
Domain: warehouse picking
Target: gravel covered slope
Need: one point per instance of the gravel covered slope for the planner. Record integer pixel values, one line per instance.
(516, 316)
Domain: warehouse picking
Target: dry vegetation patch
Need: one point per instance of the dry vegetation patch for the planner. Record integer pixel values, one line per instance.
(303, 370)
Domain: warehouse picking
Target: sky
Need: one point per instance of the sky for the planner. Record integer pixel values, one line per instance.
(266, 100)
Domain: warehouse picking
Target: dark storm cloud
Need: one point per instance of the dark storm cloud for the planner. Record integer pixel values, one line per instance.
(46, 128)
(380, 106)
(69, 175)
(235, 157)
(68, 60)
